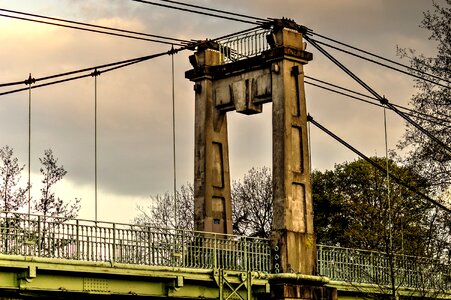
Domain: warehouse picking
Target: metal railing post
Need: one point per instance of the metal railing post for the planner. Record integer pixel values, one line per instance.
(215, 253)
(77, 239)
(183, 248)
(245, 255)
(113, 258)
(39, 236)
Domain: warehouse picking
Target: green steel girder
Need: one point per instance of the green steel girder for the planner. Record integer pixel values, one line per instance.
(55, 278)
(351, 290)
(27, 277)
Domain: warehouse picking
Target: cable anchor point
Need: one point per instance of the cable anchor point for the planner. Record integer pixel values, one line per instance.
(96, 73)
(383, 101)
(172, 51)
(30, 80)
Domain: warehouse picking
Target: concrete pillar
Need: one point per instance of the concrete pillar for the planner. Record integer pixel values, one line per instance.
(212, 199)
(293, 235)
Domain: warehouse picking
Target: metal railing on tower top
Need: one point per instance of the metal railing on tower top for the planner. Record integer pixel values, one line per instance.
(242, 46)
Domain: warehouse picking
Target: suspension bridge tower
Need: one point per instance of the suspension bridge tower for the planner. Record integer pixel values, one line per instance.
(241, 75)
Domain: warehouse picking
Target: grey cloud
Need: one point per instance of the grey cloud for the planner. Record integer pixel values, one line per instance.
(135, 157)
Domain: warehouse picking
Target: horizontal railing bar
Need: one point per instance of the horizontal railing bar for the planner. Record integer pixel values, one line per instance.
(101, 224)
(86, 240)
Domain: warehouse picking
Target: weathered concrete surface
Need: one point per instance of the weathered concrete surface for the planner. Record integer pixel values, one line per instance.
(244, 86)
(213, 208)
(293, 232)
(277, 76)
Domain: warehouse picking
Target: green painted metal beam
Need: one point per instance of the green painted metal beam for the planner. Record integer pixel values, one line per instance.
(352, 290)
(20, 275)
(26, 276)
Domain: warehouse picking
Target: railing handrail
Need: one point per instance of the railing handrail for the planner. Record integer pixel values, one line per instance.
(372, 267)
(116, 224)
(78, 239)
(374, 252)
(55, 237)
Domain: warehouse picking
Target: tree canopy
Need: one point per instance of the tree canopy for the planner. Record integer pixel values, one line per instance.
(429, 158)
(12, 195)
(49, 204)
(357, 207)
(251, 206)
(351, 208)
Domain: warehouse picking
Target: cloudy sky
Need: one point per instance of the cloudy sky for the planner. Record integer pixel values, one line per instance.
(135, 103)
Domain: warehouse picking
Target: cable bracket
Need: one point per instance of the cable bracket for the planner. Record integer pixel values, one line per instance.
(96, 73)
(384, 101)
(30, 80)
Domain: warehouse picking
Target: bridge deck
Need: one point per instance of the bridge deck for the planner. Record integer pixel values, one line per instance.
(162, 261)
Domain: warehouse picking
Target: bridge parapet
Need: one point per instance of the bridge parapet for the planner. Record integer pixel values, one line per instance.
(130, 244)
(84, 240)
(358, 266)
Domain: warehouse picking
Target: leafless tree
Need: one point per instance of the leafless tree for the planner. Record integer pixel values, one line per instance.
(160, 213)
(251, 209)
(48, 204)
(252, 203)
(12, 196)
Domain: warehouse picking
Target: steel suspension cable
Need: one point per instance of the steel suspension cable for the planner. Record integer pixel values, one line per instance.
(120, 64)
(29, 82)
(377, 56)
(113, 66)
(377, 166)
(215, 10)
(96, 26)
(173, 141)
(409, 112)
(381, 99)
(198, 12)
(95, 74)
(89, 30)
(384, 65)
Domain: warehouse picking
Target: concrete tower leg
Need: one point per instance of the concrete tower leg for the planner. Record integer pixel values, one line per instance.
(212, 199)
(293, 233)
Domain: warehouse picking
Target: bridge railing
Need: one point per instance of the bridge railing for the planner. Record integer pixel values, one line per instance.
(245, 45)
(53, 237)
(84, 240)
(362, 266)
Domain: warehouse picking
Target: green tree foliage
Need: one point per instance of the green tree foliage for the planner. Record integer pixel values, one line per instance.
(430, 159)
(356, 207)
(352, 209)
(12, 196)
(48, 204)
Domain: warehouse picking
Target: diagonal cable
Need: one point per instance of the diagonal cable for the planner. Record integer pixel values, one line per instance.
(381, 99)
(215, 10)
(198, 12)
(106, 67)
(377, 166)
(407, 111)
(377, 56)
(172, 40)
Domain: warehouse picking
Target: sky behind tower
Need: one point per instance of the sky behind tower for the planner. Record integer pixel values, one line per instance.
(135, 103)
